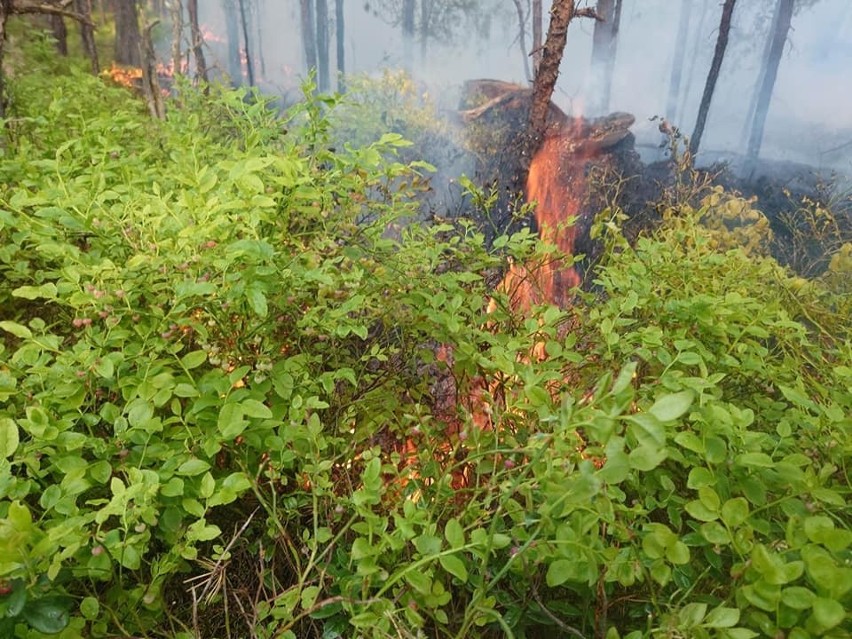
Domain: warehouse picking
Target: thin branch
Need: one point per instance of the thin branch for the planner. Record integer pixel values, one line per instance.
(588, 12)
(564, 626)
(45, 8)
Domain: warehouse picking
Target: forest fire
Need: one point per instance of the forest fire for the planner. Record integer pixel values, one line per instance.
(131, 77)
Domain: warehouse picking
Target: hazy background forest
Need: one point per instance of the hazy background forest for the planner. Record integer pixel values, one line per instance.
(810, 119)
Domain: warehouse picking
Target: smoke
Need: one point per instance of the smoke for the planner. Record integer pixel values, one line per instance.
(810, 118)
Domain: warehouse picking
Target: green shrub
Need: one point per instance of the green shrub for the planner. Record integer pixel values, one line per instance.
(240, 394)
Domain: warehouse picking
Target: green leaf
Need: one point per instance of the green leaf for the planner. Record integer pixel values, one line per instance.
(699, 477)
(18, 330)
(193, 467)
(257, 300)
(722, 617)
(735, 511)
(9, 437)
(559, 572)
(692, 614)
(647, 458)
(420, 581)
(828, 613)
(739, 633)
(90, 608)
(454, 566)
(105, 368)
(690, 441)
(798, 598)
(256, 409)
(208, 486)
(193, 359)
(309, 596)
(669, 407)
(48, 615)
(755, 460)
(796, 396)
(46, 291)
(231, 423)
(454, 533)
(698, 510)
(715, 533)
(678, 553)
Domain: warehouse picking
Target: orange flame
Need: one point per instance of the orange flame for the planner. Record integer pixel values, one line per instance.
(557, 184)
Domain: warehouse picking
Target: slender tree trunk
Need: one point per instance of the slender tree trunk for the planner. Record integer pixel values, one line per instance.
(764, 64)
(603, 48)
(127, 38)
(425, 25)
(176, 8)
(60, 34)
(522, 38)
(232, 30)
(713, 76)
(150, 80)
(5, 10)
(407, 32)
(609, 51)
(306, 8)
(781, 29)
(548, 71)
(246, 42)
(197, 41)
(537, 29)
(87, 34)
(261, 58)
(340, 34)
(677, 62)
(693, 57)
(323, 66)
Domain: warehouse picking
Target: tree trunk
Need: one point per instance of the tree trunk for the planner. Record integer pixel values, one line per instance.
(150, 80)
(522, 38)
(713, 76)
(604, 48)
(764, 62)
(323, 68)
(547, 72)
(246, 42)
(232, 31)
(537, 21)
(306, 8)
(197, 41)
(692, 57)
(781, 28)
(425, 25)
(127, 38)
(60, 34)
(261, 58)
(407, 33)
(87, 34)
(177, 34)
(340, 33)
(5, 10)
(677, 62)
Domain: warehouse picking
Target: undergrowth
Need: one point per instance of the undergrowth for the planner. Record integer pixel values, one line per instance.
(242, 395)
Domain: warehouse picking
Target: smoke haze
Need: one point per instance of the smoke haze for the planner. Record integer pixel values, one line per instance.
(810, 117)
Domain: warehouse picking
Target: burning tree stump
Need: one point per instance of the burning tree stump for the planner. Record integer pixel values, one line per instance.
(556, 177)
